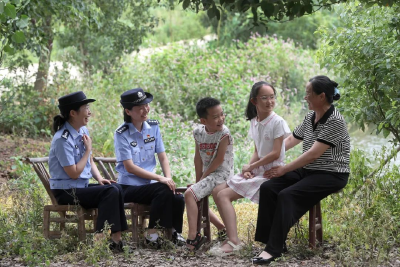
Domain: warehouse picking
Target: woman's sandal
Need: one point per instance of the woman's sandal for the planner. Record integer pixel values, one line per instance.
(217, 251)
(197, 242)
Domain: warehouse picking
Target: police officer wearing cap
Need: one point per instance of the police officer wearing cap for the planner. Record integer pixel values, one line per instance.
(136, 142)
(71, 166)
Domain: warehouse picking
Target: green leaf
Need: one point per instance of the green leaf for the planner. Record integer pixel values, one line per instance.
(18, 37)
(268, 8)
(386, 132)
(23, 22)
(1, 7)
(211, 12)
(16, 2)
(186, 4)
(9, 10)
(9, 50)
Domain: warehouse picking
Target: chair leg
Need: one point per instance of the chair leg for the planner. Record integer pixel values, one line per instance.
(63, 214)
(46, 223)
(311, 227)
(319, 231)
(206, 216)
(135, 234)
(200, 205)
(81, 224)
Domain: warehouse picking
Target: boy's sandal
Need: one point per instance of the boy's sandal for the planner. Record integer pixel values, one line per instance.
(197, 242)
(220, 253)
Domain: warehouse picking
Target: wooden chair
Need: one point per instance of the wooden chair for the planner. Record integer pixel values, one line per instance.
(315, 225)
(315, 232)
(203, 218)
(137, 212)
(79, 216)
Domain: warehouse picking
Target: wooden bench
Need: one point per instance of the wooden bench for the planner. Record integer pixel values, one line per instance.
(79, 214)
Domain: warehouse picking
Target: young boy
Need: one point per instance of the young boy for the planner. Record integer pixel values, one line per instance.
(213, 162)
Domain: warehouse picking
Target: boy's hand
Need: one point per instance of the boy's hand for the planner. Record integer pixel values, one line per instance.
(168, 181)
(248, 175)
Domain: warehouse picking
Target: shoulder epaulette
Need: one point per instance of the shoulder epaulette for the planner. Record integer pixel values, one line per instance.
(122, 129)
(153, 122)
(65, 134)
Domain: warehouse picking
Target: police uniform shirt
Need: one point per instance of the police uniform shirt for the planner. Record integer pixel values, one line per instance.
(67, 148)
(140, 147)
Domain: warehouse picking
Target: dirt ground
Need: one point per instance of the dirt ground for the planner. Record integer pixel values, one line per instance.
(19, 146)
(12, 146)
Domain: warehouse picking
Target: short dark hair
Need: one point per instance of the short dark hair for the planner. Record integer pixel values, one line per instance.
(204, 104)
(322, 84)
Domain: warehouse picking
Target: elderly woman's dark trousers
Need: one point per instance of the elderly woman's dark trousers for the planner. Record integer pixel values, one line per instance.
(108, 199)
(285, 199)
(166, 208)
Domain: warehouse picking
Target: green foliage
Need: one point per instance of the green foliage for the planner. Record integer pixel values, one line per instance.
(268, 10)
(239, 26)
(364, 220)
(13, 23)
(181, 75)
(173, 26)
(365, 53)
(117, 28)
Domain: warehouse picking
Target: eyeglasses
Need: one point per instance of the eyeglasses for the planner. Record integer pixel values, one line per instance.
(266, 97)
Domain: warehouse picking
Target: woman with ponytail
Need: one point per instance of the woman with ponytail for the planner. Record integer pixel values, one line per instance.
(71, 166)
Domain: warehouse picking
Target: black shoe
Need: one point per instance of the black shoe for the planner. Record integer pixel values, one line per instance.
(221, 235)
(178, 239)
(157, 244)
(197, 242)
(262, 261)
(117, 247)
(285, 250)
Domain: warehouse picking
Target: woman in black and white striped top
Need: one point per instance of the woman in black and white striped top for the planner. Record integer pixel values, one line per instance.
(321, 170)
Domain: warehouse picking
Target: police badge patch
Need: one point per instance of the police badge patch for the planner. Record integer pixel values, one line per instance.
(148, 140)
(122, 129)
(65, 134)
(152, 122)
(133, 143)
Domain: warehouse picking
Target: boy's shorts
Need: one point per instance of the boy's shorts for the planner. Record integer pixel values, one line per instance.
(205, 186)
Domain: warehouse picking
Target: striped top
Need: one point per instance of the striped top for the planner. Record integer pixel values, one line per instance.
(331, 130)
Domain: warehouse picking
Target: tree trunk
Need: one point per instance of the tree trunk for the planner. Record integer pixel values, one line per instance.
(44, 59)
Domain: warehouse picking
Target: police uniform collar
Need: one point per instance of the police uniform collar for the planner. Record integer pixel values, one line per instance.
(132, 128)
(73, 131)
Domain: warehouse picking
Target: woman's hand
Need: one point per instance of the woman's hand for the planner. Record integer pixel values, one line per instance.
(246, 168)
(247, 175)
(103, 181)
(277, 171)
(168, 181)
(87, 142)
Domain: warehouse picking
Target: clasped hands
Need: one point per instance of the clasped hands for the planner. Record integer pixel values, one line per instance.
(271, 173)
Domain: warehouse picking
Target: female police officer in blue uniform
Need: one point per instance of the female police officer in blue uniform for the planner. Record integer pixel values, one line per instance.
(136, 141)
(71, 166)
